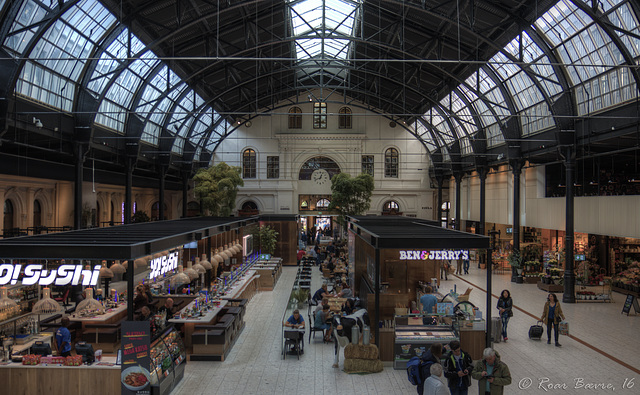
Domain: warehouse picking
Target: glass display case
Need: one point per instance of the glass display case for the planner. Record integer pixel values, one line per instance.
(168, 359)
(414, 334)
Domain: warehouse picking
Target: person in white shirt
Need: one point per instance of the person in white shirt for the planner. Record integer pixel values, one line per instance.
(433, 385)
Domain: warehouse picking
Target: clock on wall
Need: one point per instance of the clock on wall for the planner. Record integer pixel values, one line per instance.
(320, 176)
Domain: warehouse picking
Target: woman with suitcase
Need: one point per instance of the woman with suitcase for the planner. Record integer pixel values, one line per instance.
(552, 315)
(505, 305)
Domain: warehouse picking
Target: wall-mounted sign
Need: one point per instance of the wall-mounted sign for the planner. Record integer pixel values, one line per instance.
(165, 264)
(434, 254)
(36, 274)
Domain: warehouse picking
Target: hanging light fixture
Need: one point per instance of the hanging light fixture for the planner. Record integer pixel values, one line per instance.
(117, 268)
(8, 308)
(179, 279)
(198, 267)
(205, 263)
(190, 272)
(89, 304)
(46, 305)
(105, 272)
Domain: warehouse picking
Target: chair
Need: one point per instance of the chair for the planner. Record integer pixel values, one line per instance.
(64, 298)
(312, 328)
(292, 343)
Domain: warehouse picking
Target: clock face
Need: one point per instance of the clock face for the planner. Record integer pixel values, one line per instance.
(320, 177)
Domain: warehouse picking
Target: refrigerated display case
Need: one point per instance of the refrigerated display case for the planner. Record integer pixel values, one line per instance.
(413, 337)
(168, 360)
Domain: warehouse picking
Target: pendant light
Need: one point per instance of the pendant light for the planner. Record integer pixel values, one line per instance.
(8, 308)
(117, 268)
(190, 272)
(205, 263)
(89, 304)
(46, 305)
(198, 267)
(179, 279)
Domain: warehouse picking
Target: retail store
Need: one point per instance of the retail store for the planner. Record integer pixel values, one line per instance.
(394, 260)
(141, 302)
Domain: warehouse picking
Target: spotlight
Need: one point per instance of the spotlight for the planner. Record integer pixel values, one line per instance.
(37, 122)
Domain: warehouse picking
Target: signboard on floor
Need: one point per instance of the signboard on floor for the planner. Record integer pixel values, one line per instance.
(135, 376)
(630, 301)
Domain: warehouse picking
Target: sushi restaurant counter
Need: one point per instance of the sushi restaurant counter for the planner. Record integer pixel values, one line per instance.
(97, 379)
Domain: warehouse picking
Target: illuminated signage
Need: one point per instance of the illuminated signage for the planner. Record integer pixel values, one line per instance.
(435, 255)
(165, 264)
(36, 274)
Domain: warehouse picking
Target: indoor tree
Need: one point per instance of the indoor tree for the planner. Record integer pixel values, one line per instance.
(217, 188)
(351, 195)
(265, 239)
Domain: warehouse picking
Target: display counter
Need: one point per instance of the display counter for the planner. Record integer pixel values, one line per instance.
(102, 331)
(168, 360)
(189, 323)
(269, 272)
(101, 378)
(413, 338)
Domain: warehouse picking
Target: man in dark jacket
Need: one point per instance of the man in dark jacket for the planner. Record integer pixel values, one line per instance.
(432, 355)
(457, 369)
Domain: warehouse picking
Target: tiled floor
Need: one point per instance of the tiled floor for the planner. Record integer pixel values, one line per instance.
(255, 364)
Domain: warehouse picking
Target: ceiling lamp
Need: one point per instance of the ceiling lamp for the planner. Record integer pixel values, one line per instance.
(139, 262)
(205, 263)
(190, 272)
(105, 272)
(8, 308)
(236, 247)
(226, 253)
(198, 267)
(46, 305)
(217, 258)
(180, 279)
(117, 268)
(89, 305)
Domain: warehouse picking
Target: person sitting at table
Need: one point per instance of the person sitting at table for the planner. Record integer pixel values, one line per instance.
(141, 298)
(145, 314)
(167, 307)
(346, 292)
(322, 318)
(325, 302)
(349, 306)
(149, 295)
(321, 293)
(295, 321)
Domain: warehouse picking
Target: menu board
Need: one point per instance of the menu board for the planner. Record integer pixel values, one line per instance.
(630, 301)
(135, 377)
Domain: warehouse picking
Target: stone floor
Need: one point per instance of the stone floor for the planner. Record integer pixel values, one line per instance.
(604, 348)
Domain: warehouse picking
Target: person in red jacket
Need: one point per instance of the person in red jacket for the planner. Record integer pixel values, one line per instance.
(301, 253)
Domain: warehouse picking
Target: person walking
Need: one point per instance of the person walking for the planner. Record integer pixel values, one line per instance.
(465, 265)
(505, 305)
(457, 369)
(552, 315)
(444, 269)
(492, 374)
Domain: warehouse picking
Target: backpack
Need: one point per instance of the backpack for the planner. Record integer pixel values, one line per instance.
(418, 370)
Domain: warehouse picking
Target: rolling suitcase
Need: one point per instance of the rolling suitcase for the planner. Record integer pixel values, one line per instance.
(536, 331)
(496, 329)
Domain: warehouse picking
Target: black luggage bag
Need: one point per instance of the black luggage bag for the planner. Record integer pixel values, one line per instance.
(536, 331)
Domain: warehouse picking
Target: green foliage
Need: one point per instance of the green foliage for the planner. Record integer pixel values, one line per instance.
(140, 216)
(299, 295)
(264, 239)
(532, 252)
(217, 187)
(351, 195)
(515, 259)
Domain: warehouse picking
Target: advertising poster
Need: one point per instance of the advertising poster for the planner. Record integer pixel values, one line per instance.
(135, 377)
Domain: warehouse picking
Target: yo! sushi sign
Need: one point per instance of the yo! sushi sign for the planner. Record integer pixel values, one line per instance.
(413, 255)
(39, 274)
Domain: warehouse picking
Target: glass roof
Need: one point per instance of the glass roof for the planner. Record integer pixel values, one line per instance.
(322, 29)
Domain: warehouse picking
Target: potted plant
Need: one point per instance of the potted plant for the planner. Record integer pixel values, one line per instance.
(516, 261)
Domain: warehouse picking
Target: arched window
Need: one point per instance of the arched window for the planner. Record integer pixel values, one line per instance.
(344, 118)
(322, 204)
(8, 216)
(155, 211)
(193, 209)
(316, 163)
(295, 118)
(304, 205)
(319, 115)
(391, 205)
(391, 163)
(249, 163)
(37, 214)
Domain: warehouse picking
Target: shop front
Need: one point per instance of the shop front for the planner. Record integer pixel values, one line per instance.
(394, 260)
